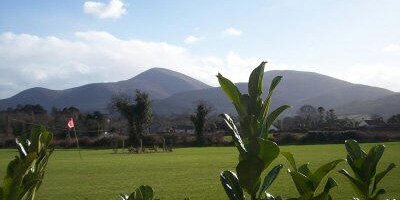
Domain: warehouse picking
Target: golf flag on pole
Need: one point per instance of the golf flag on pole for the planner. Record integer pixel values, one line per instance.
(70, 123)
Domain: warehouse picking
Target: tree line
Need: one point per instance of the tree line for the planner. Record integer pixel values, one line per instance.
(310, 118)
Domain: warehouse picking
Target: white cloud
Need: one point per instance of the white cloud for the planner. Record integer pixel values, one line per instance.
(31, 61)
(114, 9)
(232, 32)
(392, 48)
(191, 39)
(56, 63)
(378, 74)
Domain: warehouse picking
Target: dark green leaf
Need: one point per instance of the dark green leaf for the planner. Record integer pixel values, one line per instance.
(305, 170)
(380, 175)
(255, 81)
(289, 157)
(371, 161)
(330, 183)
(303, 184)
(378, 193)
(354, 149)
(233, 94)
(272, 117)
(235, 133)
(357, 185)
(322, 171)
(270, 178)
(268, 151)
(274, 84)
(143, 192)
(249, 171)
(231, 185)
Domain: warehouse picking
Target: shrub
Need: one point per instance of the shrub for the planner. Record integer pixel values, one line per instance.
(256, 151)
(25, 173)
(365, 180)
(307, 182)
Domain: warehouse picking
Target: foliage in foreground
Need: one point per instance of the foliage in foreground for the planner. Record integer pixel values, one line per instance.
(143, 192)
(365, 180)
(256, 151)
(308, 182)
(26, 172)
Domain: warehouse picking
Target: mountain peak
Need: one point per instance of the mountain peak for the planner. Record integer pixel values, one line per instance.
(158, 82)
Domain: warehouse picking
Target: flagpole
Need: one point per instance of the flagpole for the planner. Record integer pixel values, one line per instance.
(77, 143)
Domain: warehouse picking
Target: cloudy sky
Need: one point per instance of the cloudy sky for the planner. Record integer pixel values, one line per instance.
(62, 44)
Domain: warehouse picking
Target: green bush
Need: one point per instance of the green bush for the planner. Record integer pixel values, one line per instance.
(307, 182)
(256, 151)
(26, 172)
(365, 180)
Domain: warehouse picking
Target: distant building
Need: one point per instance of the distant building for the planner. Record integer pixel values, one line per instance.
(273, 128)
(184, 129)
(372, 123)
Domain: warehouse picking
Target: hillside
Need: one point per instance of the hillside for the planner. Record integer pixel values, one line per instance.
(385, 106)
(158, 82)
(296, 89)
(176, 93)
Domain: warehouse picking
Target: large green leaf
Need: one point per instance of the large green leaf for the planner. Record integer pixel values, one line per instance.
(269, 179)
(268, 151)
(354, 149)
(237, 139)
(371, 161)
(144, 192)
(231, 185)
(356, 166)
(380, 175)
(289, 157)
(249, 171)
(330, 183)
(322, 171)
(274, 84)
(303, 184)
(25, 173)
(256, 80)
(378, 193)
(304, 170)
(255, 90)
(271, 118)
(359, 186)
(233, 94)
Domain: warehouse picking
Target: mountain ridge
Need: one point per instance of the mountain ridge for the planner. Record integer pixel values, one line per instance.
(158, 82)
(175, 93)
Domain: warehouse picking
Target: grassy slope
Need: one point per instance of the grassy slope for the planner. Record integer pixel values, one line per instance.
(189, 172)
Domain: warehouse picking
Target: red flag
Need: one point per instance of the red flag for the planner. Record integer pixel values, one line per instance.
(70, 123)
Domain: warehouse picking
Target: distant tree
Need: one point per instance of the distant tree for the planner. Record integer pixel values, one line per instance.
(143, 113)
(394, 121)
(321, 117)
(309, 113)
(137, 113)
(199, 119)
(331, 119)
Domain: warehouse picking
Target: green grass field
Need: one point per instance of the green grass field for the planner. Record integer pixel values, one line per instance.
(186, 172)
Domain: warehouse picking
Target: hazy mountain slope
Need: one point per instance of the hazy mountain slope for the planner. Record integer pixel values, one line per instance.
(339, 96)
(158, 82)
(174, 92)
(385, 106)
(296, 89)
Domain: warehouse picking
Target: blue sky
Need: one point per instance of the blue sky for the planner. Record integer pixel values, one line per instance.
(61, 44)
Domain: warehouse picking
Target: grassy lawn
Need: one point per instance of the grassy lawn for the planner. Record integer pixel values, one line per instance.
(186, 172)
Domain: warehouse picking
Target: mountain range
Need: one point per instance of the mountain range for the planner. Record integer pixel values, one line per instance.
(175, 93)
